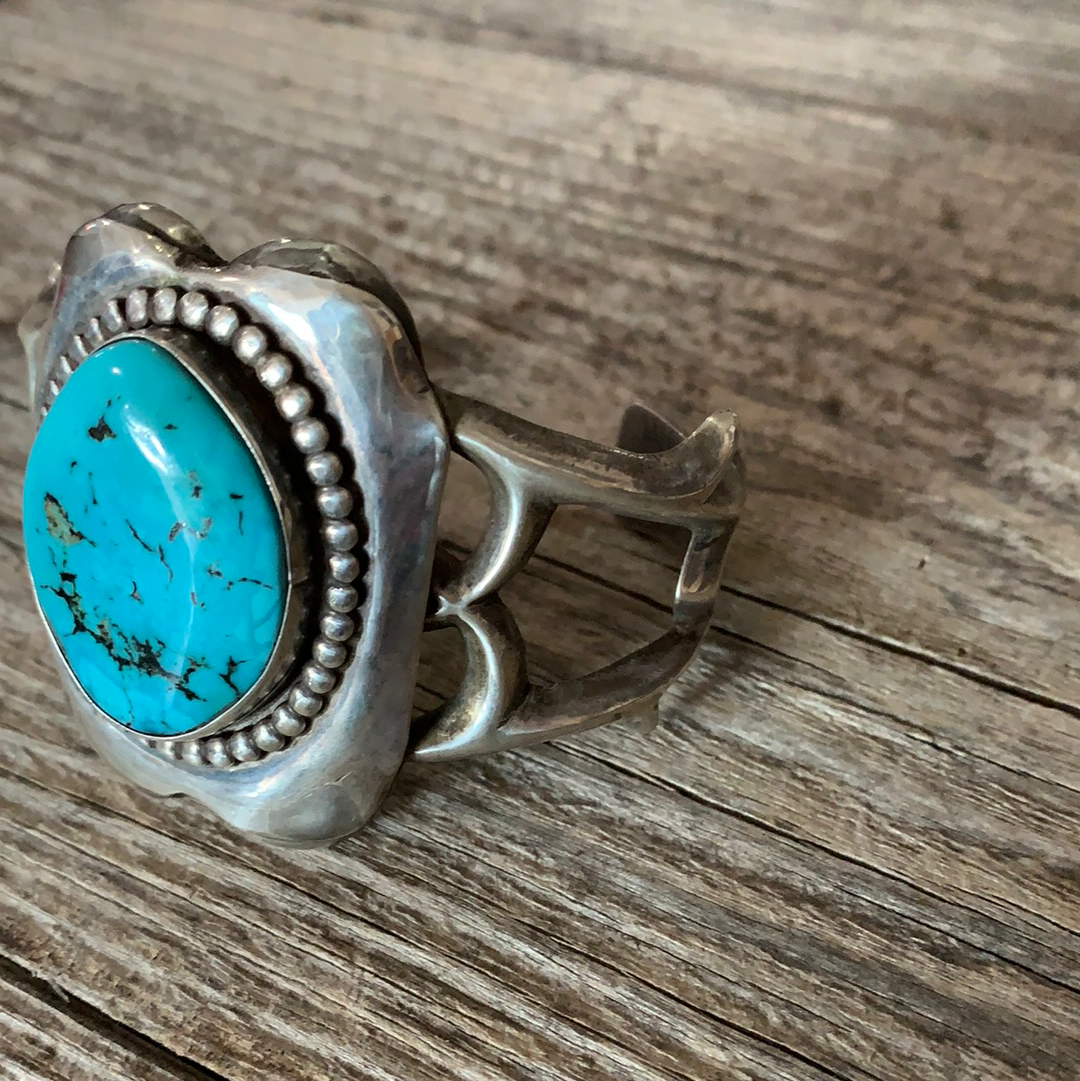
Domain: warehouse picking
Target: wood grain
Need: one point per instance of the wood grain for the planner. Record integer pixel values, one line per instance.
(850, 850)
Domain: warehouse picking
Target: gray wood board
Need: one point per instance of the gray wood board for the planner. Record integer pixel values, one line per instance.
(850, 849)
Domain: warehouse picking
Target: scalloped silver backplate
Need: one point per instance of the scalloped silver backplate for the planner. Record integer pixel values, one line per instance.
(313, 761)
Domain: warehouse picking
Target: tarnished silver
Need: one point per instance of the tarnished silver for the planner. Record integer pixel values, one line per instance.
(318, 336)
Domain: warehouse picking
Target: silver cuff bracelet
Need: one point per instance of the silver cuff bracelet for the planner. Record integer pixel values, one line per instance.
(230, 515)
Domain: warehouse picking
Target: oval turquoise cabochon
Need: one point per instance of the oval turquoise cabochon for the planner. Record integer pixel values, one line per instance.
(153, 541)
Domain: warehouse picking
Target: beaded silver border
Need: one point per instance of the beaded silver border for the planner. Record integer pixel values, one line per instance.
(295, 708)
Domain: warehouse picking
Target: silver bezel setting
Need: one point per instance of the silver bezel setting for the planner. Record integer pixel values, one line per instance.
(268, 718)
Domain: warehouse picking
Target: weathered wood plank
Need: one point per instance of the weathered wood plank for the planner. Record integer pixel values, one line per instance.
(682, 919)
(799, 963)
(887, 371)
(45, 1033)
(850, 850)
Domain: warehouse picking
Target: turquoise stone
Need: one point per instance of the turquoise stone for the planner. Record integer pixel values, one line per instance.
(153, 541)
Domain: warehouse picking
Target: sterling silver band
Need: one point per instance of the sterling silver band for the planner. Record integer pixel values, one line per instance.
(694, 483)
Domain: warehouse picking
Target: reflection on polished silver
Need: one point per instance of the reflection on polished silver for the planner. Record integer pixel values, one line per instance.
(314, 358)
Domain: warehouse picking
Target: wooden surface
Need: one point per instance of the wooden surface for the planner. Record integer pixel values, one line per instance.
(852, 849)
